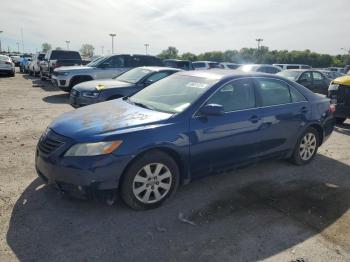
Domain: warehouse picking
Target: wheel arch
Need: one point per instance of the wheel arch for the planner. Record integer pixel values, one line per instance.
(183, 170)
(319, 130)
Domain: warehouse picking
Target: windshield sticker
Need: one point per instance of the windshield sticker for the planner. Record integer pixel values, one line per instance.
(197, 85)
(100, 87)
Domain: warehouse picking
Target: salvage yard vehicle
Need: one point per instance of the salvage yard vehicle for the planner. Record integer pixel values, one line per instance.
(226, 65)
(34, 66)
(201, 65)
(57, 58)
(185, 126)
(7, 66)
(314, 80)
(339, 93)
(176, 63)
(292, 66)
(126, 84)
(270, 69)
(101, 68)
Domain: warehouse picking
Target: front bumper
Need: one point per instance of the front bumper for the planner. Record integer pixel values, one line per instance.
(76, 100)
(60, 81)
(96, 172)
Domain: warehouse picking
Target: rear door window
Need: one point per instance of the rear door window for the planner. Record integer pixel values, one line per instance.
(317, 76)
(273, 92)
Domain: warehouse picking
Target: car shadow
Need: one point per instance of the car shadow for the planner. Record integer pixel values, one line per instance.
(57, 99)
(247, 215)
(37, 82)
(343, 128)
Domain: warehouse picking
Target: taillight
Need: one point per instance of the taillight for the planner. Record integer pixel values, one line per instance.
(331, 108)
(8, 63)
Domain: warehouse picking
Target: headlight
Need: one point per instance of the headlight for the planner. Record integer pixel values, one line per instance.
(63, 73)
(93, 149)
(90, 94)
(333, 87)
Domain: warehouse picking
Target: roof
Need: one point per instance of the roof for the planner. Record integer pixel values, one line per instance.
(221, 73)
(161, 68)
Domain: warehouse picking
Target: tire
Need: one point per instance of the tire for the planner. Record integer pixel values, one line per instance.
(30, 72)
(42, 76)
(306, 147)
(12, 74)
(140, 182)
(340, 120)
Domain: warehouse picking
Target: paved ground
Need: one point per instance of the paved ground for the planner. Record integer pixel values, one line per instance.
(273, 211)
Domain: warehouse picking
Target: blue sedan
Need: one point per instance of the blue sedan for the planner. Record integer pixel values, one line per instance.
(183, 127)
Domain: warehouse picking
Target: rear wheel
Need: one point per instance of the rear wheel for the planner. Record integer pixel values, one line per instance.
(149, 181)
(42, 75)
(306, 147)
(340, 120)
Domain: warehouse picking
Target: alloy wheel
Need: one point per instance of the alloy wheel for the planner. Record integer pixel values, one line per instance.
(307, 146)
(152, 183)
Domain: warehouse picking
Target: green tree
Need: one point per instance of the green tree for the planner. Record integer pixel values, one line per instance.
(170, 53)
(46, 47)
(188, 56)
(87, 50)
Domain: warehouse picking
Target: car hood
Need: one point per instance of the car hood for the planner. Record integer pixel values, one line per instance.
(343, 80)
(101, 85)
(95, 122)
(74, 68)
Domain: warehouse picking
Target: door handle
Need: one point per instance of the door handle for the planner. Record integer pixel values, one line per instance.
(254, 119)
(304, 110)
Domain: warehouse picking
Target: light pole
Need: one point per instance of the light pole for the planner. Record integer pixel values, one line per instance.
(112, 35)
(17, 47)
(0, 40)
(102, 47)
(67, 42)
(259, 40)
(146, 46)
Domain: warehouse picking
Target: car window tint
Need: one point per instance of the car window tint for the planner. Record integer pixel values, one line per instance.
(306, 76)
(157, 76)
(317, 76)
(273, 92)
(296, 96)
(234, 96)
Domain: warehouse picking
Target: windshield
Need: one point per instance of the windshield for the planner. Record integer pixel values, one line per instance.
(291, 75)
(133, 76)
(97, 61)
(174, 93)
(248, 68)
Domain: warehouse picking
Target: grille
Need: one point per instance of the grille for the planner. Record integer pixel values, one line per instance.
(47, 144)
(343, 95)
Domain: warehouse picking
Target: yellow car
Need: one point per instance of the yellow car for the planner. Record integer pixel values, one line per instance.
(339, 93)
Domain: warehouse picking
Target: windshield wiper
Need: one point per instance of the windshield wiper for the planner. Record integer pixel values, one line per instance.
(127, 99)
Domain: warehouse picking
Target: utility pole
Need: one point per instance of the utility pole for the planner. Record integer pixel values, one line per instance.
(22, 40)
(102, 47)
(259, 40)
(146, 46)
(67, 42)
(0, 40)
(112, 35)
(17, 47)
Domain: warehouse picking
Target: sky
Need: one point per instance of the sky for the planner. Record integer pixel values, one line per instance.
(190, 25)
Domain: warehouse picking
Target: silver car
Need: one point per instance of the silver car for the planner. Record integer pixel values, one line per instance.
(101, 68)
(34, 65)
(7, 66)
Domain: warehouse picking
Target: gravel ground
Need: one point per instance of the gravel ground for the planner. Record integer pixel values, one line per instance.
(273, 211)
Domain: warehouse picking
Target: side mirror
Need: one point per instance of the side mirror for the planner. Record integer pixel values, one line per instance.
(212, 110)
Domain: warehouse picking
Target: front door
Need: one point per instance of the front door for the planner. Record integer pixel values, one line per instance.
(219, 142)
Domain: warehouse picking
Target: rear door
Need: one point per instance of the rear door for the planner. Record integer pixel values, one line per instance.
(319, 83)
(219, 142)
(112, 67)
(284, 111)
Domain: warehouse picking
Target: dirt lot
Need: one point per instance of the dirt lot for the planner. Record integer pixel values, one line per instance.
(273, 211)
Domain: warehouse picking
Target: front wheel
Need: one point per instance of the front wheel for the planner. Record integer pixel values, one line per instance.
(306, 147)
(149, 181)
